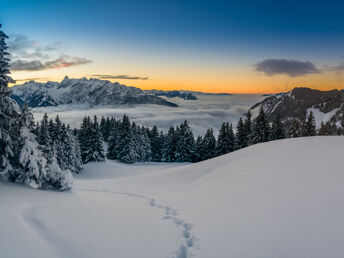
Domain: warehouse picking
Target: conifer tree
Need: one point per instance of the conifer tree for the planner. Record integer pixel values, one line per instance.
(261, 128)
(323, 129)
(112, 140)
(96, 141)
(295, 129)
(155, 143)
(309, 126)
(126, 150)
(170, 145)
(44, 139)
(199, 148)
(186, 148)
(207, 146)
(143, 144)
(72, 151)
(91, 142)
(240, 136)
(248, 128)
(226, 140)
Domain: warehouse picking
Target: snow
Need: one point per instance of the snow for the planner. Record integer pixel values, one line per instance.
(320, 116)
(277, 199)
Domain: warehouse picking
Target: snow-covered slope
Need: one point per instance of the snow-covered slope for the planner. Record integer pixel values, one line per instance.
(82, 91)
(277, 199)
(296, 104)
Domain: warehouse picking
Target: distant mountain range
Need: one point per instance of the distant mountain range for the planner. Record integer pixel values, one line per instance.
(172, 94)
(296, 104)
(184, 94)
(94, 92)
(82, 91)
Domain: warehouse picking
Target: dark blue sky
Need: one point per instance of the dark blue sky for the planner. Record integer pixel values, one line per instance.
(224, 32)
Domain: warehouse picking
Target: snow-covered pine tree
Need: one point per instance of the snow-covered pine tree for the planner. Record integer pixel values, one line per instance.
(106, 127)
(141, 143)
(44, 139)
(155, 143)
(21, 159)
(102, 126)
(207, 145)
(72, 151)
(91, 141)
(169, 146)
(248, 128)
(226, 140)
(112, 141)
(295, 129)
(58, 142)
(328, 128)
(84, 140)
(125, 147)
(199, 148)
(323, 129)
(240, 136)
(97, 141)
(144, 149)
(186, 147)
(309, 126)
(261, 128)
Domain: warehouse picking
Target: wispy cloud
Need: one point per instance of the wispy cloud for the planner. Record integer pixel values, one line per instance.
(292, 68)
(62, 62)
(31, 55)
(32, 79)
(122, 76)
(337, 68)
(22, 47)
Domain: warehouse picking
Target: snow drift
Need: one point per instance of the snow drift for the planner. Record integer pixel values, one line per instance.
(276, 199)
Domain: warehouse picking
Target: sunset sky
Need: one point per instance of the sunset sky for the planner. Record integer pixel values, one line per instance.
(211, 46)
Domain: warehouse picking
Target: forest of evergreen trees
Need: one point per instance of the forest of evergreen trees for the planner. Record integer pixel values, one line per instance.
(129, 143)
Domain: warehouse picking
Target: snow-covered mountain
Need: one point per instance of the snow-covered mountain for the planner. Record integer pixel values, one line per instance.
(82, 91)
(173, 94)
(183, 94)
(277, 199)
(296, 104)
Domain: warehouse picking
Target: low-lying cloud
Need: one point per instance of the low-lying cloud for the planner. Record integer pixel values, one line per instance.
(122, 76)
(292, 68)
(208, 111)
(62, 62)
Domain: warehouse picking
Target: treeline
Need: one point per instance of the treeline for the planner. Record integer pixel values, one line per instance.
(129, 143)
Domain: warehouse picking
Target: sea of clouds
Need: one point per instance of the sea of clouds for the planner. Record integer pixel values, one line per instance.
(209, 111)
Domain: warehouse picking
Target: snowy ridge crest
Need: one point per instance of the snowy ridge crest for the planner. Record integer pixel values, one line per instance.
(82, 91)
(328, 106)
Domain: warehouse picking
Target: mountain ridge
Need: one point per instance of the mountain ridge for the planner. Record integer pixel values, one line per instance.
(297, 104)
(82, 91)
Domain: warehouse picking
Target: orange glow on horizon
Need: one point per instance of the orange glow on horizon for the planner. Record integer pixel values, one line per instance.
(238, 82)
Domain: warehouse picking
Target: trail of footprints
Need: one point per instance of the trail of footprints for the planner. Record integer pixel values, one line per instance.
(187, 242)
